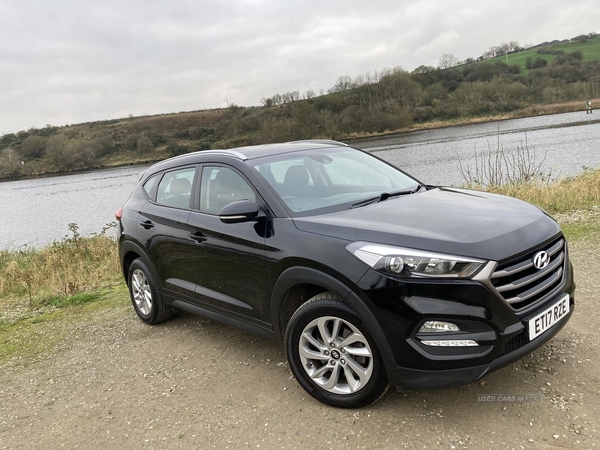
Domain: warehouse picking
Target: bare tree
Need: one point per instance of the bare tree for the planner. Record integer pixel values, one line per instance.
(448, 60)
(343, 83)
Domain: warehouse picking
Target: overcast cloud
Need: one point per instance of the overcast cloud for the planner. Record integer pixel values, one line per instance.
(73, 61)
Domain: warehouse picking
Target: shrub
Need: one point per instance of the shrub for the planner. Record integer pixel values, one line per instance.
(198, 133)
(174, 148)
(577, 55)
(529, 63)
(34, 147)
(181, 134)
(144, 144)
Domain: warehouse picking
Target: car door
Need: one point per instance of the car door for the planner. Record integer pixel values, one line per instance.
(163, 227)
(227, 261)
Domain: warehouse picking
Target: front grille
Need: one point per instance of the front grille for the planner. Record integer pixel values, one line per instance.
(521, 284)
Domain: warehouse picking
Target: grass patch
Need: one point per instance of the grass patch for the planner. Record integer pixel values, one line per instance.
(578, 231)
(51, 329)
(76, 299)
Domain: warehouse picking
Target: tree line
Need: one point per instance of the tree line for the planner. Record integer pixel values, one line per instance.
(386, 100)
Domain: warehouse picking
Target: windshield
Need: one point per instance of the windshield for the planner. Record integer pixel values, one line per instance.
(330, 179)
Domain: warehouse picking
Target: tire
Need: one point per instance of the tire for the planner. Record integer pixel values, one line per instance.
(341, 372)
(145, 295)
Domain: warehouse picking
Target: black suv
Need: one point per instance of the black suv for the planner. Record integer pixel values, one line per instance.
(367, 276)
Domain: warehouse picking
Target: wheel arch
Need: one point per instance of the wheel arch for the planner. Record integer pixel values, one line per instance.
(297, 285)
(130, 251)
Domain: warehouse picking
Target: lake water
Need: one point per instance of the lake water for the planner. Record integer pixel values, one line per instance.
(38, 212)
(568, 142)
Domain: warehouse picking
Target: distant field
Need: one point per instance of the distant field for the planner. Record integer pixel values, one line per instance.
(589, 49)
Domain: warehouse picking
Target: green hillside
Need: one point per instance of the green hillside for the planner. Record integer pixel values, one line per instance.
(589, 47)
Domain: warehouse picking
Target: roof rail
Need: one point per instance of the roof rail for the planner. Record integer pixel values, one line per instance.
(233, 153)
(321, 141)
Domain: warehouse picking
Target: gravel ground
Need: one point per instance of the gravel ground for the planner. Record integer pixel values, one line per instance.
(193, 383)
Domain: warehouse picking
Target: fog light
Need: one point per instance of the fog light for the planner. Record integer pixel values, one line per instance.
(452, 343)
(437, 326)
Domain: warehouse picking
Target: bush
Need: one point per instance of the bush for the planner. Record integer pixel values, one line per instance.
(422, 114)
(181, 134)
(10, 163)
(174, 148)
(8, 140)
(198, 133)
(539, 62)
(144, 144)
(103, 145)
(48, 130)
(577, 55)
(529, 63)
(34, 147)
(549, 51)
(203, 145)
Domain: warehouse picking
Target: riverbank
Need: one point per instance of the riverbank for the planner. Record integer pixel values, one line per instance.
(141, 155)
(530, 111)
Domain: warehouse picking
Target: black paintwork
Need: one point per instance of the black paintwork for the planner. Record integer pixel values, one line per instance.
(243, 273)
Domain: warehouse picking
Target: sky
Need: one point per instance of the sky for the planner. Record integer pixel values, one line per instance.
(73, 61)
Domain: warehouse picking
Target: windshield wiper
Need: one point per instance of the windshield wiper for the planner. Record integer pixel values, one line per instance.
(385, 195)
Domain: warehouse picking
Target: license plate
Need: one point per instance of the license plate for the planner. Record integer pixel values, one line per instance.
(548, 318)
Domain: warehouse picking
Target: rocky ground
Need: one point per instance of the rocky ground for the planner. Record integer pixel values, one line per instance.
(191, 383)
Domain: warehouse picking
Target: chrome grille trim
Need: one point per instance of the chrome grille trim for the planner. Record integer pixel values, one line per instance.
(536, 289)
(533, 277)
(520, 284)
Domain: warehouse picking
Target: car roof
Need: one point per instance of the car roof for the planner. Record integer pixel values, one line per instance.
(246, 153)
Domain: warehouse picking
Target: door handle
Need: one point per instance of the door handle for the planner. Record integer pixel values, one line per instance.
(147, 224)
(198, 237)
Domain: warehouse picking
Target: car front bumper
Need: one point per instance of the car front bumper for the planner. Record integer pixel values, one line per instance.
(501, 333)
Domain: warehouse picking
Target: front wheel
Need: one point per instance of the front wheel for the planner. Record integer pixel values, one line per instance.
(145, 296)
(332, 354)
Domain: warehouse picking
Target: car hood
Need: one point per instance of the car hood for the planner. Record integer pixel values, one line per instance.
(455, 221)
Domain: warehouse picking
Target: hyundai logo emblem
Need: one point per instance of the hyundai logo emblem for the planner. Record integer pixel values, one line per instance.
(541, 260)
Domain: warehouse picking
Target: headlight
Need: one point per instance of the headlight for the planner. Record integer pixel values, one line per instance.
(406, 262)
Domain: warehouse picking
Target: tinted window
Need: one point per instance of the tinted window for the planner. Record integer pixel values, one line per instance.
(222, 186)
(175, 188)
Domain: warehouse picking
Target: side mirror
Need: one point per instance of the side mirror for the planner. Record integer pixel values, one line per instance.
(241, 211)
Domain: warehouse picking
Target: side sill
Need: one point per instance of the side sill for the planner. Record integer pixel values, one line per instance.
(250, 328)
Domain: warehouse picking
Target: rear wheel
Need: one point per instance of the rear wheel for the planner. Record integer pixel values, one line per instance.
(145, 296)
(333, 355)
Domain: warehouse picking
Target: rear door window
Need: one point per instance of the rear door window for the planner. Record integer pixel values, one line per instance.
(175, 188)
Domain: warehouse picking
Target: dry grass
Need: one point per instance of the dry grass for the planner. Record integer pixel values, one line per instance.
(565, 195)
(541, 110)
(57, 272)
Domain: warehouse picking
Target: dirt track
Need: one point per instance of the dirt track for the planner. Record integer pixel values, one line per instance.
(192, 383)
